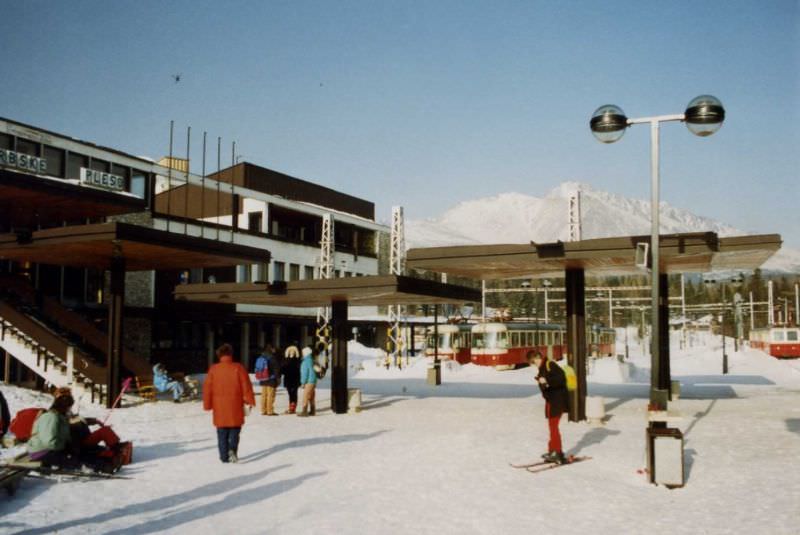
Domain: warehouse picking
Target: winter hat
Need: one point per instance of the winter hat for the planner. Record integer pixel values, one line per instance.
(306, 351)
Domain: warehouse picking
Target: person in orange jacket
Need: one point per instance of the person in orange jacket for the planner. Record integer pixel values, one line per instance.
(226, 391)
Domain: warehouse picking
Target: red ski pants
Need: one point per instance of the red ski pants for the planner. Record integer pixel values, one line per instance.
(104, 434)
(555, 435)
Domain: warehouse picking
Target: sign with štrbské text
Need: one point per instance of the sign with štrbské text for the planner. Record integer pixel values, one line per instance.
(23, 161)
(99, 179)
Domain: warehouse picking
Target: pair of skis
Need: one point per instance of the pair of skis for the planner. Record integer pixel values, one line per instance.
(48, 472)
(542, 466)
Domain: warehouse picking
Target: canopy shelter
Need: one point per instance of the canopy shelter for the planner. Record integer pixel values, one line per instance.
(117, 248)
(338, 294)
(678, 253)
(31, 200)
(142, 248)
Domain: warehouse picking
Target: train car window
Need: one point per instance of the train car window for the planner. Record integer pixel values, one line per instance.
(514, 339)
(777, 336)
(791, 336)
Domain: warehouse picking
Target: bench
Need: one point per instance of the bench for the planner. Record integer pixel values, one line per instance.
(144, 389)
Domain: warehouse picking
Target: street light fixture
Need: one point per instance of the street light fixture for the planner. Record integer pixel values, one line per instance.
(703, 116)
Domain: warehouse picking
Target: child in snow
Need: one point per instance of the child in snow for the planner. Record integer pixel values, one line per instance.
(163, 382)
(267, 368)
(308, 379)
(226, 392)
(553, 384)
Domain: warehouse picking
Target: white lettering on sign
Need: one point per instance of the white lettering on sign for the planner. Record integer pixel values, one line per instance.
(23, 161)
(99, 179)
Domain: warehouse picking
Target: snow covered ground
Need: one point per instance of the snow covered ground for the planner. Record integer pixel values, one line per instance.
(422, 459)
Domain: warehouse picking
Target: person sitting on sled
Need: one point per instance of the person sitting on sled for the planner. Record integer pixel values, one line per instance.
(68, 446)
(163, 382)
(51, 434)
(553, 383)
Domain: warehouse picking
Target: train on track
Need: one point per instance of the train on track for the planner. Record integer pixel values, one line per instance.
(509, 344)
(779, 342)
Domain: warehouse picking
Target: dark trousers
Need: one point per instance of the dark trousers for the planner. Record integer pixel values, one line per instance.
(292, 394)
(227, 440)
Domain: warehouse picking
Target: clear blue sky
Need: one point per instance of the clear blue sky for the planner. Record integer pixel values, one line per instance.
(425, 104)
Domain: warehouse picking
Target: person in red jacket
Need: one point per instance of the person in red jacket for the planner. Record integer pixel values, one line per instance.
(226, 391)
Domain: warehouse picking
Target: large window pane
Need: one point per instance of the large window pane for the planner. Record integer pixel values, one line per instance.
(25, 146)
(74, 164)
(55, 161)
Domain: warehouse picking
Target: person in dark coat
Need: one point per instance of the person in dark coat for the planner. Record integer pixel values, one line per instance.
(5, 415)
(553, 384)
(290, 369)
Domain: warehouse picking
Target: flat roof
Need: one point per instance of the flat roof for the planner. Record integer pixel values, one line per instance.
(357, 291)
(679, 253)
(143, 248)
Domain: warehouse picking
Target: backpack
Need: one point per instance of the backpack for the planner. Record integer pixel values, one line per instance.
(22, 424)
(262, 369)
(572, 379)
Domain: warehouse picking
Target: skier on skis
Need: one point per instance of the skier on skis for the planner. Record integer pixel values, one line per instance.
(553, 384)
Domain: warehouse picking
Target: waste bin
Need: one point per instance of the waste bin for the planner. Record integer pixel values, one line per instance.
(435, 375)
(665, 456)
(354, 400)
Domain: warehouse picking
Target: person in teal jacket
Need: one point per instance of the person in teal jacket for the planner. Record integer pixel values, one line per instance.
(51, 434)
(163, 382)
(308, 380)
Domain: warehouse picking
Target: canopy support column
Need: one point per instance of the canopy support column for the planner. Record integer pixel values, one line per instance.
(116, 312)
(664, 380)
(339, 324)
(576, 340)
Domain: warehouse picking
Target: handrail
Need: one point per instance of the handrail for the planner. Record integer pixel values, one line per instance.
(52, 343)
(93, 336)
(75, 323)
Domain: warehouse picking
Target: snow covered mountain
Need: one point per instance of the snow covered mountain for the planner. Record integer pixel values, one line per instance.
(520, 218)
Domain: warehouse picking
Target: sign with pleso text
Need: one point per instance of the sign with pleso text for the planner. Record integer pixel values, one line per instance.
(99, 179)
(25, 162)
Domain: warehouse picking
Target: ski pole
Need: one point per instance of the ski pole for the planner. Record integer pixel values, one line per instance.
(125, 384)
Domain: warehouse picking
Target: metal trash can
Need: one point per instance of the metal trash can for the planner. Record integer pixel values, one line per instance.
(665, 456)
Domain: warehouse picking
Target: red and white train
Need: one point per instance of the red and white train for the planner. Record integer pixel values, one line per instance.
(780, 342)
(508, 345)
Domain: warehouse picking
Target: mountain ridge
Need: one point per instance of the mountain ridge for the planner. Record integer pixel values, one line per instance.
(514, 217)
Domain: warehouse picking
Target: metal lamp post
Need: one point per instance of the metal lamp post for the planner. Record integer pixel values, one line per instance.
(547, 284)
(703, 116)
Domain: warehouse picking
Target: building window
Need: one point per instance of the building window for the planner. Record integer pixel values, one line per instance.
(99, 165)
(6, 142)
(138, 183)
(309, 272)
(244, 273)
(122, 171)
(254, 220)
(74, 164)
(278, 271)
(55, 161)
(25, 146)
(294, 272)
